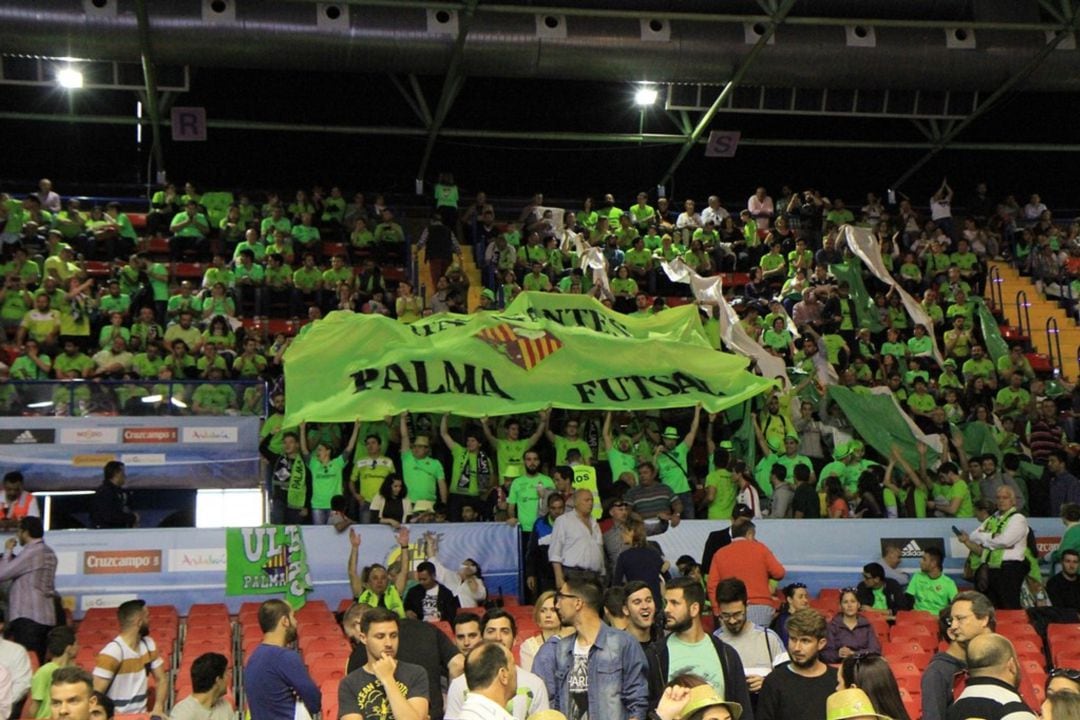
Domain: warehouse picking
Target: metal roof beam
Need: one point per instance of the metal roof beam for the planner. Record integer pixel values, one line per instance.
(150, 77)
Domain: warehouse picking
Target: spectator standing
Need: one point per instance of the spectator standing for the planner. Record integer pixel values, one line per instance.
(17, 502)
(639, 561)
(754, 564)
(760, 649)
(124, 664)
(16, 661)
(761, 208)
(688, 648)
(440, 245)
(425, 477)
(539, 572)
(109, 507)
(493, 683)
(993, 679)
(1002, 542)
(849, 633)
(1063, 589)
(1064, 486)
(209, 684)
(597, 672)
(275, 677)
(969, 616)
(71, 694)
(372, 586)
(32, 595)
(383, 687)
(429, 600)
(795, 598)
(799, 689)
(890, 561)
(62, 648)
(529, 696)
(671, 457)
(930, 589)
(577, 546)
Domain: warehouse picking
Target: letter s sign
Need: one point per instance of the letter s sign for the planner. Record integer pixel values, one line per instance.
(722, 143)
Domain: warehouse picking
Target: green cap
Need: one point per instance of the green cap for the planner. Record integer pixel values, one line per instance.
(841, 451)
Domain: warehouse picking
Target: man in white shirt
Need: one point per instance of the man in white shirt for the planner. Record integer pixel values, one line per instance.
(761, 208)
(577, 545)
(760, 649)
(1002, 542)
(688, 221)
(13, 656)
(528, 697)
(714, 212)
(492, 679)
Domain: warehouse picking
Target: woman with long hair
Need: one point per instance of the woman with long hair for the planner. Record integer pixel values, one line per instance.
(835, 499)
(547, 620)
(1061, 706)
(749, 494)
(872, 675)
(849, 633)
(639, 561)
(392, 505)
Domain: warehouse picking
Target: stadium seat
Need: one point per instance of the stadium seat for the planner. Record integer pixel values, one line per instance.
(831, 595)
(188, 270)
(325, 669)
(1063, 638)
(138, 221)
(330, 249)
(329, 691)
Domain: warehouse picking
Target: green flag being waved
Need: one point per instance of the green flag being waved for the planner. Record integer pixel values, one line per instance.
(544, 350)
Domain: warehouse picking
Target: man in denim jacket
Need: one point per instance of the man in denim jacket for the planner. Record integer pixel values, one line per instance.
(598, 673)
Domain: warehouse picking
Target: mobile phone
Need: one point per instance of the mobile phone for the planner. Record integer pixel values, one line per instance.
(956, 531)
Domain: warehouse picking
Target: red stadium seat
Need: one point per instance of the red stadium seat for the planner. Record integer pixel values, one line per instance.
(138, 221)
(189, 270)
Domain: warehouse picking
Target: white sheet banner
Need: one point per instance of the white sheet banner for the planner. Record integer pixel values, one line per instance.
(865, 247)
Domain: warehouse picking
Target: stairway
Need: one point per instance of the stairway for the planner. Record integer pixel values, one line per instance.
(472, 272)
(1040, 309)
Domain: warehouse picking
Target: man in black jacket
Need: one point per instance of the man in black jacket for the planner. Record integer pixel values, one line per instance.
(109, 508)
(690, 649)
(877, 592)
(290, 481)
(429, 600)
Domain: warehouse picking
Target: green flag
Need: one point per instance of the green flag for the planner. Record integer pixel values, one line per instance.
(267, 560)
(865, 312)
(886, 419)
(544, 350)
(995, 344)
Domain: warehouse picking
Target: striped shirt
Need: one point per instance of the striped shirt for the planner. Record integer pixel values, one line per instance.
(33, 588)
(989, 698)
(127, 669)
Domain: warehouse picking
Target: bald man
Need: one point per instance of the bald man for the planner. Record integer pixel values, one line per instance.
(994, 675)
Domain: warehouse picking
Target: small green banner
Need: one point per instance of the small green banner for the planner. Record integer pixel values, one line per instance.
(267, 561)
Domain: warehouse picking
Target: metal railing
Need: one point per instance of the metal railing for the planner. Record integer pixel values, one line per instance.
(82, 398)
(997, 301)
(1023, 315)
(1053, 346)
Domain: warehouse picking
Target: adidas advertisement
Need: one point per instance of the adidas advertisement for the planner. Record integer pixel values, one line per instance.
(913, 547)
(36, 436)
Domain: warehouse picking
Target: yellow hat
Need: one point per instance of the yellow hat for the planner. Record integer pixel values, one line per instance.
(704, 696)
(849, 704)
(547, 715)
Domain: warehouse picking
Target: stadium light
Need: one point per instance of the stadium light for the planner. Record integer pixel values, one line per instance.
(646, 95)
(178, 403)
(40, 405)
(69, 78)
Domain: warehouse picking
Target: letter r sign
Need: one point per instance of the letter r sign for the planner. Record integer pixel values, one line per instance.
(189, 124)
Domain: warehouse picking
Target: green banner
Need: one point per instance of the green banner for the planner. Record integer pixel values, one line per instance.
(995, 344)
(865, 312)
(268, 560)
(544, 351)
(890, 427)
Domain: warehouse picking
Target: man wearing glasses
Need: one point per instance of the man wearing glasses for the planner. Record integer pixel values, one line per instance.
(971, 615)
(760, 649)
(598, 672)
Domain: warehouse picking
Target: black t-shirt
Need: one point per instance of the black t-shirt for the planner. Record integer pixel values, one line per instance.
(360, 693)
(1063, 593)
(420, 644)
(788, 696)
(807, 501)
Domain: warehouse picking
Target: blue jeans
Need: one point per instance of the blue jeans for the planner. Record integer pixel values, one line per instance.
(687, 500)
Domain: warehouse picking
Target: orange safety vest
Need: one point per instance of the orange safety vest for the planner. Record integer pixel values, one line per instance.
(19, 509)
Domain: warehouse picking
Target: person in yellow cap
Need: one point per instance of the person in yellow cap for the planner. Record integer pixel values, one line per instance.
(697, 703)
(850, 704)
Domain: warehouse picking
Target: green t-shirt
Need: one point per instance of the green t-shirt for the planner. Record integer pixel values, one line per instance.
(960, 489)
(269, 225)
(65, 363)
(723, 504)
(23, 368)
(196, 230)
(931, 595)
(621, 463)
(325, 481)
(39, 689)
(564, 444)
(464, 477)
(771, 262)
(510, 452)
(307, 279)
(110, 304)
(40, 325)
(305, 234)
(251, 272)
(637, 258)
(671, 464)
(214, 398)
(146, 367)
(422, 476)
(879, 599)
(921, 403)
(526, 498)
(1014, 400)
(159, 282)
(984, 368)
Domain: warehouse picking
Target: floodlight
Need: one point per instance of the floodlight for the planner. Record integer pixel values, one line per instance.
(69, 78)
(646, 95)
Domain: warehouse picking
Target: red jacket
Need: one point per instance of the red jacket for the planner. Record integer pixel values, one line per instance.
(751, 562)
